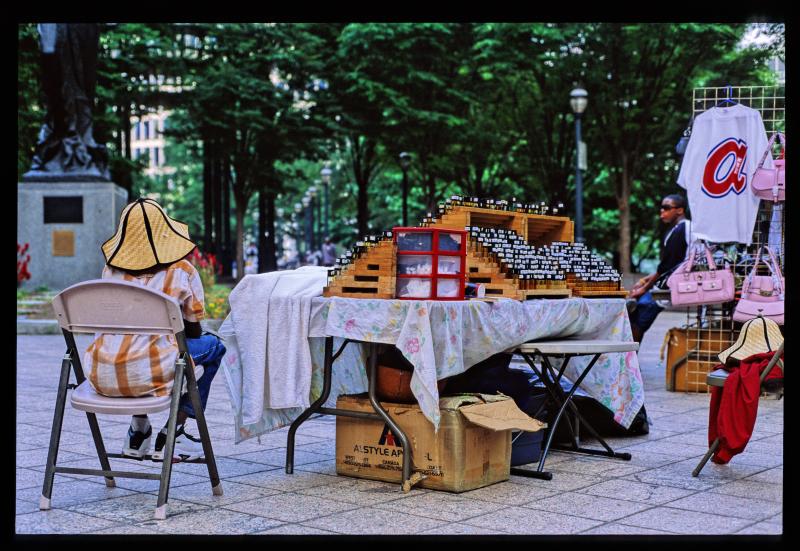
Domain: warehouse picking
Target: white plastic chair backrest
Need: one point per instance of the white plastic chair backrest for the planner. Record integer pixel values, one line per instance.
(115, 306)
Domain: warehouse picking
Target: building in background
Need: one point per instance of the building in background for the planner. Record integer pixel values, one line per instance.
(147, 140)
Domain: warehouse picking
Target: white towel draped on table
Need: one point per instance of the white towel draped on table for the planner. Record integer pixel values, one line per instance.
(270, 319)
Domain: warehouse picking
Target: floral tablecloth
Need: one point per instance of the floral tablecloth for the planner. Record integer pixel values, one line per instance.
(442, 338)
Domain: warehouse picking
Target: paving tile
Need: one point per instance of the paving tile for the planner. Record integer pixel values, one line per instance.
(73, 492)
(441, 506)
(372, 521)
(325, 447)
(291, 507)
(651, 494)
(457, 529)
(588, 506)
(614, 528)
(277, 457)
(141, 528)
(294, 530)
(231, 493)
(22, 507)
(359, 491)
(58, 521)
(521, 520)
(685, 522)
(226, 467)
(279, 480)
(38, 457)
(760, 528)
(176, 480)
(321, 467)
(596, 466)
(508, 493)
(733, 506)
(764, 460)
(679, 475)
(29, 478)
(133, 508)
(562, 481)
(682, 450)
(752, 489)
(734, 470)
(772, 476)
(217, 521)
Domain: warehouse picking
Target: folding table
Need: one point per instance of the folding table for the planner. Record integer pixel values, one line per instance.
(551, 379)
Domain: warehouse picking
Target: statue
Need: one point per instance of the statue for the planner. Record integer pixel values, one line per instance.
(66, 150)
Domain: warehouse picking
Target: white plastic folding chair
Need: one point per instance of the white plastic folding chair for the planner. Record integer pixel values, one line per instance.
(121, 307)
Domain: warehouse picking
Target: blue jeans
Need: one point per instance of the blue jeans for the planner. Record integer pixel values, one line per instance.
(207, 350)
(646, 312)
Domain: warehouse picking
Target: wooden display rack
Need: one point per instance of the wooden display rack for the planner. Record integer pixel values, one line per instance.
(536, 229)
(373, 275)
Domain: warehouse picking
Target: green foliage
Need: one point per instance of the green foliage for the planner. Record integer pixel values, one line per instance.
(483, 108)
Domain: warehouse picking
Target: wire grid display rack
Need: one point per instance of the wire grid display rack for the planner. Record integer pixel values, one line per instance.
(711, 329)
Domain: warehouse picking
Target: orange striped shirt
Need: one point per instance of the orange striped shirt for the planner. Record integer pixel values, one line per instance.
(144, 365)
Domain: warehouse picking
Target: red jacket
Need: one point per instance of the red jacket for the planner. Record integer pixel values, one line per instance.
(734, 407)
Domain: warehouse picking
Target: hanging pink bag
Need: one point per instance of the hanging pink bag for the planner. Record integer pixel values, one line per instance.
(689, 288)
(762, 294)
(770, 183)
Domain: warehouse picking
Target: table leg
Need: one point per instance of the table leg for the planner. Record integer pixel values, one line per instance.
(396, 430)
(316, 406)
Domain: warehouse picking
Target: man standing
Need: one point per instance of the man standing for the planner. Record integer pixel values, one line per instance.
(673, 251)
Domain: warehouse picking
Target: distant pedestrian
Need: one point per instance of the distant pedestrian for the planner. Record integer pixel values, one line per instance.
(251, 259)
(328, 252)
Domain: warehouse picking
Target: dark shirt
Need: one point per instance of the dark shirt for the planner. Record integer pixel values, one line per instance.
(673, 251)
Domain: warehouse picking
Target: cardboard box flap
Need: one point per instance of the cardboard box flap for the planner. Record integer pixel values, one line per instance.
(501, 415)
(455, 402)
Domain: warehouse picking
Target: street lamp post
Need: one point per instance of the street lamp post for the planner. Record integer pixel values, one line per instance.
(578, 100)
(312, 194)
(325, 173)
(298, 208)
(405, 161)
(306, 200)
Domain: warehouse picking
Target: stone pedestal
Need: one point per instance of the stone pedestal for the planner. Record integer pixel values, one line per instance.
(65, 224)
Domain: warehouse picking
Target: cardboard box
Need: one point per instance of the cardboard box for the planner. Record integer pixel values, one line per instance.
(471, 449)
(688, 374)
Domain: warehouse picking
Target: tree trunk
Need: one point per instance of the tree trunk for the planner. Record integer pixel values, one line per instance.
(208, 197)
(262, 228)
(270, 258)
(623, 203)
(216, 190)
(431, 185)
(226, 216)
(363, 208)
(241, 208)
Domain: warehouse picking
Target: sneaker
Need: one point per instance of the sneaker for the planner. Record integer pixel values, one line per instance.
(137, 443)
(187, 447)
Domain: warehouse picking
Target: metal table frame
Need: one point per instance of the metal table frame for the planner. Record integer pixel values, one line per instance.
(380, 414)
(552, 382)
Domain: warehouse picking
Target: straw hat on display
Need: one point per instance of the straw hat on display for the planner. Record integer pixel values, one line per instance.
(146, 237)
(757, 336)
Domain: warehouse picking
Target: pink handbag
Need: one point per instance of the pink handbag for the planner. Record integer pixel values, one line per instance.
(770, 183)
(689, 288)
(762, 294)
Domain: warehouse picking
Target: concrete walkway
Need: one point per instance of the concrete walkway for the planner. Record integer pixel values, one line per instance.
(652, 494)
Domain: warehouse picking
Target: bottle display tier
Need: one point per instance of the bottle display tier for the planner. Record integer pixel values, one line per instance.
(518, 251)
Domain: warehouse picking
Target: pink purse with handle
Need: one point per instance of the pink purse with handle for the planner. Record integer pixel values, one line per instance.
(762, 294)
(689, 288)
(770, 183)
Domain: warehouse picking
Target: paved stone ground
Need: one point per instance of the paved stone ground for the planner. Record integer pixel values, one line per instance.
(654, 493)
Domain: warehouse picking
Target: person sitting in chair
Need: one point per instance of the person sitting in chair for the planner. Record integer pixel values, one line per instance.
(151, 249)
(643, 309)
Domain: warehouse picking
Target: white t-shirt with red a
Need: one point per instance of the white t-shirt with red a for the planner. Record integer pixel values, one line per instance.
(724, 150)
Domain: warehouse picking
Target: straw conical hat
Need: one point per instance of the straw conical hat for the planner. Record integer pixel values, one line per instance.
(757, 336)
(146, 236)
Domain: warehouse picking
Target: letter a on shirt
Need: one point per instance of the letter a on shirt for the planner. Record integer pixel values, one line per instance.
(717, 171)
